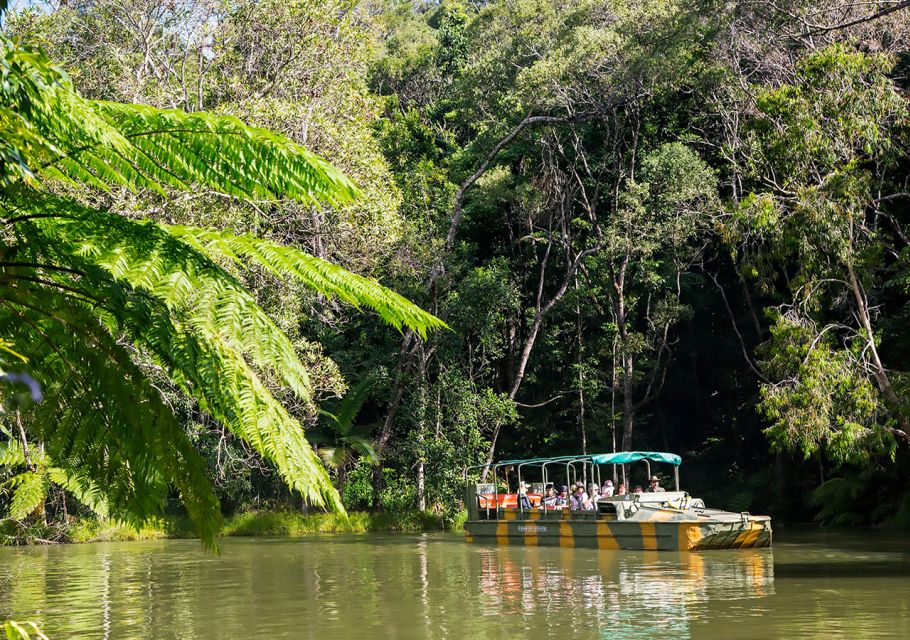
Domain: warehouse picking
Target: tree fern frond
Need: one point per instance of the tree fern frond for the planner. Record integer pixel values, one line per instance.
(319, 275)
(86, 294)
(29, 489)
(81, 487)
(224, 154)
(52, 129)
(145, 257)
(103, 420)
(11, 454)
(194, 340)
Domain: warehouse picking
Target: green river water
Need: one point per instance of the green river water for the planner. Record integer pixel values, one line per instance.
(810, 585)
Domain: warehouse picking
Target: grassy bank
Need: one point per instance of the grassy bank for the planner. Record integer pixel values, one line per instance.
(255, 523)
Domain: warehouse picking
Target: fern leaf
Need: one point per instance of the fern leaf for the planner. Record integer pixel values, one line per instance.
(319, 275)
(81, 487)
(29, 491)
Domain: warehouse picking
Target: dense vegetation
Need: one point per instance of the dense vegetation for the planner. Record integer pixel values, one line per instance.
(677, 225)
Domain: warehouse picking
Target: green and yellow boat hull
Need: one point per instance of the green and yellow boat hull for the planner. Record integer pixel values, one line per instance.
(659, 530)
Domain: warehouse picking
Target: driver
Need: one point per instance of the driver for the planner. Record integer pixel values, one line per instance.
(654, 485)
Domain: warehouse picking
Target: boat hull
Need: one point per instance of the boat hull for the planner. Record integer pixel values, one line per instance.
(595, 533)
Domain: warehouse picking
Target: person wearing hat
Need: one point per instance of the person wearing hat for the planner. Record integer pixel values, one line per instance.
(523, 500)
(562, 499)
(654, 485)
(607, 490)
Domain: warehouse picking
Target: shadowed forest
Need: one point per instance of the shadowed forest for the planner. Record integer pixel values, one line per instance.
(645, 224)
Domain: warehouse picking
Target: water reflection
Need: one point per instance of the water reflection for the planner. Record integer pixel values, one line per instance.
(625, 594)
(439, 587)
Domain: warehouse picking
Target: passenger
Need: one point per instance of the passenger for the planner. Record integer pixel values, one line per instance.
(523, 501)
(579, 498)
(562, 500)
(621, 489)
(607, 490)
(593, 496)
(638, 489)
(654, 485)
(549, 500)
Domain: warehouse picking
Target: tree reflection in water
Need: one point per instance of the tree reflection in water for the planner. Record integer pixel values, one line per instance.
(431, 587)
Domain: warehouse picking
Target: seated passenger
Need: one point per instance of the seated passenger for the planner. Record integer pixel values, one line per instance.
(607, 490)
(549, 499)
(591, 501)
(562, 499)
(621, 489)
(577, 503)
(638, 489)
(654, 485)
(523, 501)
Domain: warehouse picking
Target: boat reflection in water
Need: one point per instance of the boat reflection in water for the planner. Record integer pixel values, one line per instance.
(623, 594)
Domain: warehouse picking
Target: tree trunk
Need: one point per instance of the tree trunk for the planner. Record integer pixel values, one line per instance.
(628, 406)
(879, 372)
(421, 483)
(581, 377)
(385, 435)
(342, 477)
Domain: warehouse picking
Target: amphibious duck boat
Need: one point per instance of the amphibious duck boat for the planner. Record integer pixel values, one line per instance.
(664, 520)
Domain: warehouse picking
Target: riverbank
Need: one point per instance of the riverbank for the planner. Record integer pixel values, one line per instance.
(254, 523)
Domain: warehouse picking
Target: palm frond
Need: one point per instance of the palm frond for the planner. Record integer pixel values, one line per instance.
(363, 446)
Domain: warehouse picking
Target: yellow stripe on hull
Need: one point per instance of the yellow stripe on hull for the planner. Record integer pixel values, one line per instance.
(605, 537)
(502, 533)
(648, 536)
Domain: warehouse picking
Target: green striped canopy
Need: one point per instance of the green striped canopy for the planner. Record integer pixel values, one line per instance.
(625, 457)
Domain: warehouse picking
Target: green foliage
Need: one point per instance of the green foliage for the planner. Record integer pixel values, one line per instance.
(29, 489)
(821, 398)
(92, 297)
(249, 523)
(674, 141)
(22, 631)
(340, 441)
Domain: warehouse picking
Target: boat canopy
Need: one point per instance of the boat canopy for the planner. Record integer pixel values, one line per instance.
(620, 457)
(625, 457)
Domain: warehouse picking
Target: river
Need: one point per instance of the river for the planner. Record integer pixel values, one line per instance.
(809, 585)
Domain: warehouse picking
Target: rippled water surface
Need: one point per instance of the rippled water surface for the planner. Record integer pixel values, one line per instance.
(810, 585)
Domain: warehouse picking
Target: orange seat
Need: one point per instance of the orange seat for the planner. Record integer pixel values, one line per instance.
(505, 500)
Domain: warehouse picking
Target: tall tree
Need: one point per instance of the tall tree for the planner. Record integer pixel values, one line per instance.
(824, 155)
